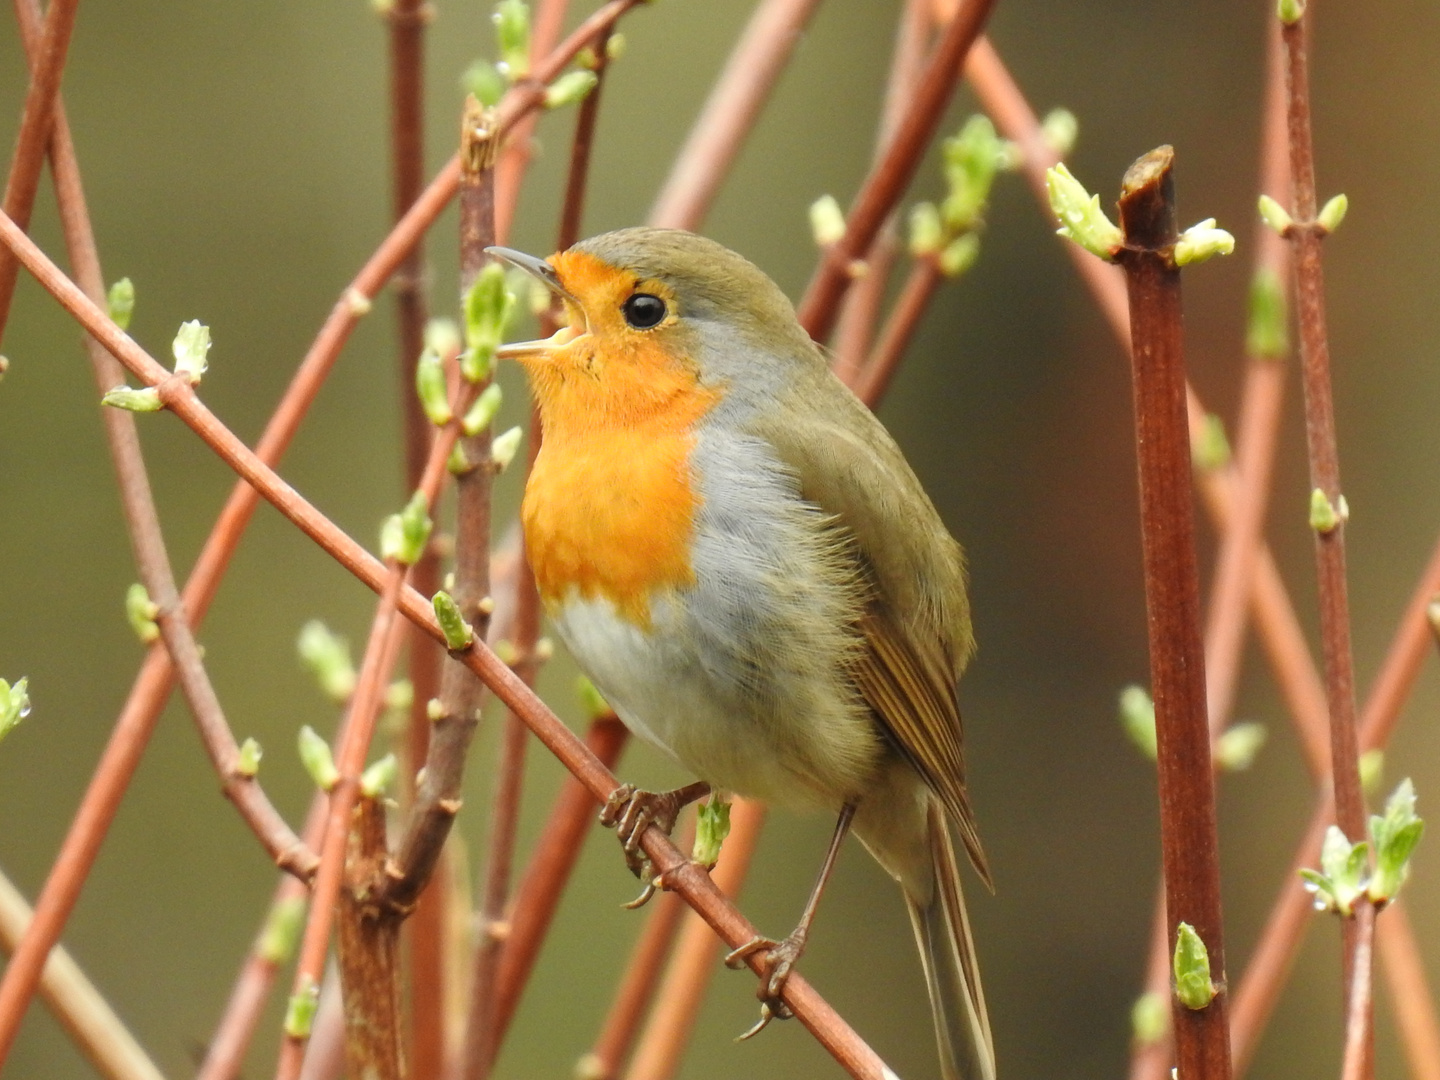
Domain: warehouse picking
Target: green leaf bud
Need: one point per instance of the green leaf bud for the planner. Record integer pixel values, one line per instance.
(927, 234)
(1235, 750)
(482, 413)
(457, 463)
(1267, 336)
(1394, 834)
(121, 302)
(403, 536)
(1372, 770)
(1060, 129)
(570, 89)
(319, 762)
(960, 254)
(1290, 11)
(1212, 448)
(14, 704)
(502, 450)
(458, 634)
(376, 780)
(300, 1010)
(431, 389)
(712, 826)
(970, 161)
(140, 612)
(512, 33)
(1325, 517)
(327, 656)
(1192, 969)
(1333, 213)
(1342, 876)
(827, 221)
(130, 399)
(247, 759)
(591, 701)
(400, 695)
(1149, 1019)
(615, 46)
(191, 349)
(442, 337)
(1137, 714)
(1275, 215)
(1202, 241)
(488, 307)
(484, 81)
(281, 932)
(1081, 219)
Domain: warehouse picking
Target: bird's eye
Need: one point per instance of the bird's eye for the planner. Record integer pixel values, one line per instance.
(644, 311)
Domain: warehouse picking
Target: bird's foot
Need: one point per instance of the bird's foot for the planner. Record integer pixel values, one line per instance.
(775, 967)
(630, 811)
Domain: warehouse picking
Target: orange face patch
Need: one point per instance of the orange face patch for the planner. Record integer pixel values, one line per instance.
(609, 508)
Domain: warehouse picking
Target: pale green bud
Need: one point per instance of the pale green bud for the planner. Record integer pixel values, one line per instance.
(1275, 215)
(191, 349)
(1081, 218)
(1193, 985)
(300, 1010)
(1149, 1018)
(247, 760)
(570, 89)
(1394, 834)
(827, 221)
(1290, 11)
(319, 762)
(970, 160)
(488, 307)
(121, 302)
(458, 463)
(431, 389)
(1333, 213)
(403, 536)
(399, 695)
(1342, 875)
(502, 450)
(1060, 129)
(140, 612)
(327, 656)
(442, 337)
(1137, 714)
(1212, 448)
(482, 413)
(615, 46)
(1372, 770)
(960, 254)
(376, 780)
(133, 400)
(1235, 750)
(1267, 336)
(927, 234)
(712, 826)
(512, 32)
(484, 81)
(1325, 517)
(281, 932)
(14, 704)
(1201, 242)
(458, 634)
(591, 701)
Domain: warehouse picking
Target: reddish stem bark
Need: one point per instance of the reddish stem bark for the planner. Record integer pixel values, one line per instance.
(1188, 833)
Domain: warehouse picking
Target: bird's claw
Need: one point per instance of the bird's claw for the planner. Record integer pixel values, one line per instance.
(775, 968)
(630, 811)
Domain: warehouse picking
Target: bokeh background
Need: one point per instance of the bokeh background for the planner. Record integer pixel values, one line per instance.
(235, 161)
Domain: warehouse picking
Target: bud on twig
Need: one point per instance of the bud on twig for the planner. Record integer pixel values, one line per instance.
(1149, 1019)
(327, 656)
(431, 389)
(121, 302)
(1192, 969)
(1235, 750)
(570, 89)
(319, 762)
(140, 612)
(300, 1010)
(14, 704)
(1394, 834)
(827, 221)
(1212, 448)
(247, 760)
(591, 701)
(130, 399)
(376, 780)
(927, 233)
(484, 81)
(482, 413)
(488, 307)
(712, 826)
(1137, 713)
(512, 34)
(1275, 215)
(1267, 335)
(1333, 213)
(281, 932)
(191, 349)
(1081, 218)
(403, 536)
(1326, 517)
(1201, 242)
(1060, 129)
(502, 450)
(458, 634)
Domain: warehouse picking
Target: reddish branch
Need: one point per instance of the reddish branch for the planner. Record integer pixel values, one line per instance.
(1410, 997)
(730, 112)
(1188, 834)
(42, 105)
(892, 174)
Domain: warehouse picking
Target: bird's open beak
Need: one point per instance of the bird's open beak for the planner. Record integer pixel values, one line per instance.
(545, 274)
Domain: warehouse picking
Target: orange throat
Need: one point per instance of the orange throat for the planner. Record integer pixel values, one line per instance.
(609, 509)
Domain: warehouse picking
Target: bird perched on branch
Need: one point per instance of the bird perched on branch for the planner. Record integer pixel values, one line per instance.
(738, 555)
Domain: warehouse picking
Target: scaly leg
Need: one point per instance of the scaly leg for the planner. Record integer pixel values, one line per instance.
(780, 956)
(629, 811)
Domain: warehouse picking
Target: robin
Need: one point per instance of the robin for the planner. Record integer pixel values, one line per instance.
(740, 558)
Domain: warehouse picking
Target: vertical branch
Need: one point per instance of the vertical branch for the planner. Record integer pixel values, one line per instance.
(1410, 996)
(369, 949)
(510, 170)
(1188, 832)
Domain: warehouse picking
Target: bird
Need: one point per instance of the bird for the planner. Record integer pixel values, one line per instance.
(739, 557)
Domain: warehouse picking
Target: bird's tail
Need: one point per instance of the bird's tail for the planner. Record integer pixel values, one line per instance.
(942, 930)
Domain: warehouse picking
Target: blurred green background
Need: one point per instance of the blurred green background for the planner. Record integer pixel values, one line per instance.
(235, 158)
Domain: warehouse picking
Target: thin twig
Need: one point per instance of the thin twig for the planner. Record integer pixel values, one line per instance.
(1359, 1006)
(176, 394)
(42, 103)
(891, 175)
(1410, 997)
(873, 378)
(677, 1002)
(81, 1009)
(1188, 833)
(760, 54)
